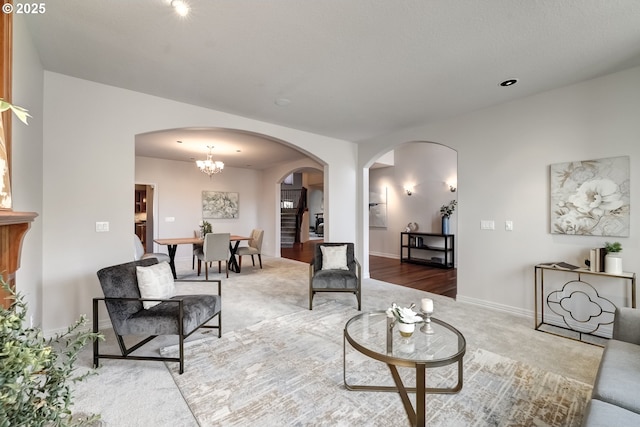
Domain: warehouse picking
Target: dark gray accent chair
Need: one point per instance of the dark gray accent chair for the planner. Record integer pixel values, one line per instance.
(614, 400)
(180, 315)
(335, 280)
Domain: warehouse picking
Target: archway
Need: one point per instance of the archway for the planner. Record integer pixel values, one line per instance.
(309, 181)
(407, 187)
(254, 180)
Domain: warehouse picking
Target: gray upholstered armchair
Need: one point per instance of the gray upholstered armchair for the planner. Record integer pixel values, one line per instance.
(334, 268)
(149, 317)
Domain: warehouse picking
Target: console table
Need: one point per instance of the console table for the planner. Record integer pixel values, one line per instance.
(436, 250)
(577, 304)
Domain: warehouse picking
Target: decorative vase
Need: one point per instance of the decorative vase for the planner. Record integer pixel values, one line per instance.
(445, 225)
(406, 329)
(613, 263)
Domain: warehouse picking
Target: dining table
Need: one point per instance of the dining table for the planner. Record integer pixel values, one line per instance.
(173, 242)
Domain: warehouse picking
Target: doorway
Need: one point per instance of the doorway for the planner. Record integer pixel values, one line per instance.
(143, 214)
(407, 188)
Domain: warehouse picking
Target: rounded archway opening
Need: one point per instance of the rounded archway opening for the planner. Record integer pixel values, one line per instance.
(407, 187)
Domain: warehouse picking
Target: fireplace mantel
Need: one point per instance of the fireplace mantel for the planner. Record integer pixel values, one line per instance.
(13, 226)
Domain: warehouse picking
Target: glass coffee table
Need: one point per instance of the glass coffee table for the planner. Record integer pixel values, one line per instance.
(375, 335)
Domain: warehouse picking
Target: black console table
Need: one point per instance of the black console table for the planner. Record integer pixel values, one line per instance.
(436, 250)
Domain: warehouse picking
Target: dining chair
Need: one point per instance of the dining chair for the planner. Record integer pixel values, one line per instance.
(139, 253)
(195, 247)
(215, 248)
(254, 248)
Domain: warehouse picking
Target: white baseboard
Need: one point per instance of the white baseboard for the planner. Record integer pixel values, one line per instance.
(384, 255)
(495, 306)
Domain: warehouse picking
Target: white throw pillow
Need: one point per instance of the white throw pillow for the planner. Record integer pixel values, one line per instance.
(334, 257)
(155, 281)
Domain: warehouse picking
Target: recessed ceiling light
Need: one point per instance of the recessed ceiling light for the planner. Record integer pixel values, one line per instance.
(509, 82)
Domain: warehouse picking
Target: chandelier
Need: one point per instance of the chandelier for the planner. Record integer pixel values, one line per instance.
(209, 166)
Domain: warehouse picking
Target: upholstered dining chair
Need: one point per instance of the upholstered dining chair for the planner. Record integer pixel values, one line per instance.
(141, 301)
(195, 248)
(254, 248)
(139, 253)
(334, 268)
(215, 248)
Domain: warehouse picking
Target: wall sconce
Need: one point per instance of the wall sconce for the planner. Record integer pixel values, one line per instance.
(409, 190)
(452, 188)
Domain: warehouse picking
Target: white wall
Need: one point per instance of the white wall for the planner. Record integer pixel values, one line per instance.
(504, 155)
(427, 168)
(27, 164)
(178, 195)
(89, 160)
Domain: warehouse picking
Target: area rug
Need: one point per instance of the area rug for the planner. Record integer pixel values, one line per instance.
(289, 371)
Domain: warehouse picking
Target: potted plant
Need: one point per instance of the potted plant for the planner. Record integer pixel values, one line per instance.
(36, 373)
(446, 211)
(205, 228)
(612, 260)
(405, 317)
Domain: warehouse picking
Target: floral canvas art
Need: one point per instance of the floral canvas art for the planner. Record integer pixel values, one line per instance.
(220, 205)
(591, 197)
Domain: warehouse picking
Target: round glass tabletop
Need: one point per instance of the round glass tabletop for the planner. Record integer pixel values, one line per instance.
(374, 335)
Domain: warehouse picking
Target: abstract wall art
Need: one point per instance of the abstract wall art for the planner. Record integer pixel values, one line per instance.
(220, 205)
(378, 208)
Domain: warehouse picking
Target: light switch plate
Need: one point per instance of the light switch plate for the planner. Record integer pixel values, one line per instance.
(487, 224)
(102, 226)
(508, 225)
(170, 219)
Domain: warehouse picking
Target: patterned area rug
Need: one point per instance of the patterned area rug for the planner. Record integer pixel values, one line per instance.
(288, 371)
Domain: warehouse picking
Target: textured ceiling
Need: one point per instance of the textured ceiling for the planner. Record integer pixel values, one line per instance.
(351, 69)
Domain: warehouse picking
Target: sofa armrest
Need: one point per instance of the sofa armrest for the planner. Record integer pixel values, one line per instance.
(626, 325)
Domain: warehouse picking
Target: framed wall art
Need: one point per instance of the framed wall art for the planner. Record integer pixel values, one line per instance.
(590, 197)
(378, 208)
(220, 205)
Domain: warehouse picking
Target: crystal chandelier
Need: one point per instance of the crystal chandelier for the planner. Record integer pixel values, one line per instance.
(209, 166)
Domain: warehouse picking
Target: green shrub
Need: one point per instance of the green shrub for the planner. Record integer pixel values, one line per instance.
(612, 247)
(36, 373)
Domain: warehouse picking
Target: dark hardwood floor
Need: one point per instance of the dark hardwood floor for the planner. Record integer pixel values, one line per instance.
(436, 280)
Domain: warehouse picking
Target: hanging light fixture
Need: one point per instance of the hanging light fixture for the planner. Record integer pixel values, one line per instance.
(209, 166)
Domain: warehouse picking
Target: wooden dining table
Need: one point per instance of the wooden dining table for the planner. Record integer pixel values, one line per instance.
(172, 247)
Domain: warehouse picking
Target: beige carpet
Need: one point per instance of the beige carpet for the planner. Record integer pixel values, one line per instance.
(288, 371)
(142, 393)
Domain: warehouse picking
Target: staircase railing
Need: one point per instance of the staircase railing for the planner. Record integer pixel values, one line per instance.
(300, 210)
(295, 200)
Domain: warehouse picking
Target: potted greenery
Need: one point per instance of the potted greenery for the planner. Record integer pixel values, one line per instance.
(446, 211)
(612, 260)
(205, 228)
(36, 373)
